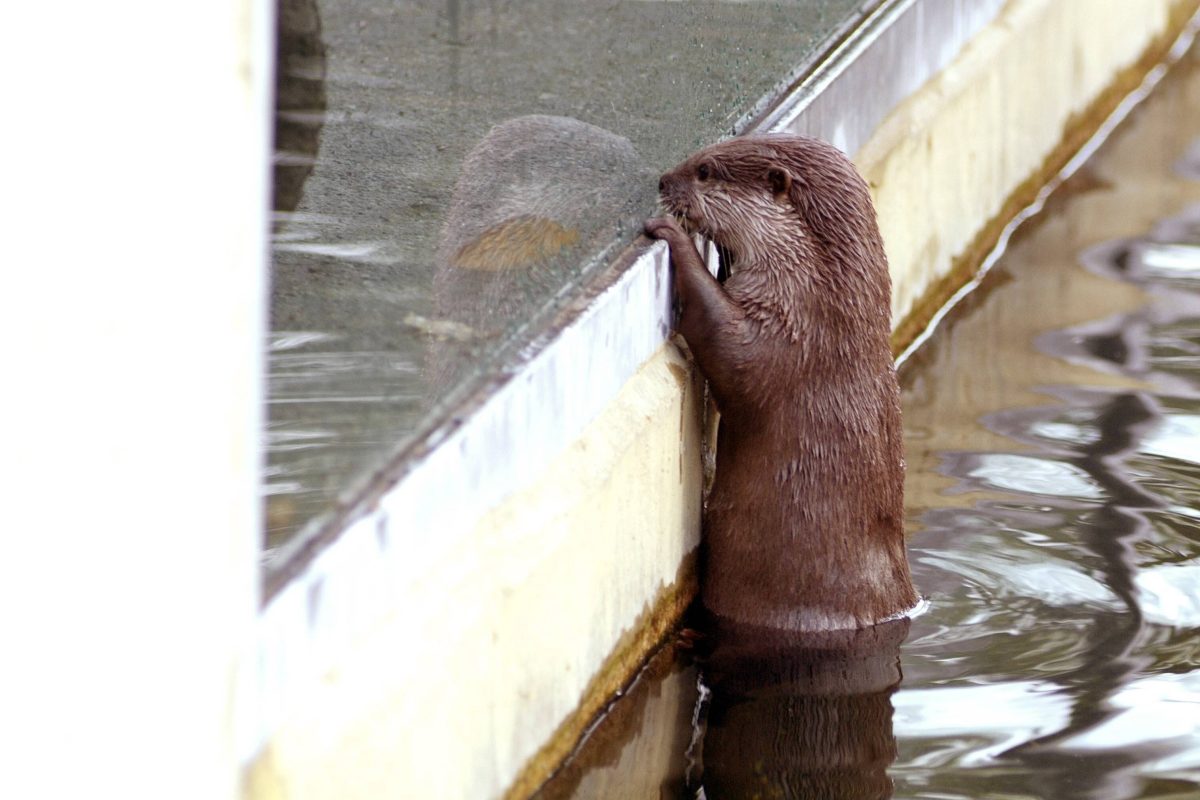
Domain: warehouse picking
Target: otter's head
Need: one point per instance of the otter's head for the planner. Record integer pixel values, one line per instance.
(758, 194)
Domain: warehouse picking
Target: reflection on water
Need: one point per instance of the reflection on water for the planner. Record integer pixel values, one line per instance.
(807, 716)
(1053, 435)
(1058, 533)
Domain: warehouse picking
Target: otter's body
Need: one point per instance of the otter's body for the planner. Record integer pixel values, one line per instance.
(804, 524)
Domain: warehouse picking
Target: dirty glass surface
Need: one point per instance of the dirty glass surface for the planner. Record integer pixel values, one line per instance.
(447, 171)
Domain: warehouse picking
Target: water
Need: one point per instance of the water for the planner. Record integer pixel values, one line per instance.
(1053, 439)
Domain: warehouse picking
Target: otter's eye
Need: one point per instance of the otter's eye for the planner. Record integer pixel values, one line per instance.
(702, 172)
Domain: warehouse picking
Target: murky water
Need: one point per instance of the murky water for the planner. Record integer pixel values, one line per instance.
(1053, 435)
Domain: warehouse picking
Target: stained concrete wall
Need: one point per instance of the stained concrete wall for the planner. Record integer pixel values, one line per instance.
(134, 205)
(479, 673)
(955, 162)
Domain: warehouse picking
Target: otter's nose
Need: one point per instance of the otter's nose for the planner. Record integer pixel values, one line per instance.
(662, 185)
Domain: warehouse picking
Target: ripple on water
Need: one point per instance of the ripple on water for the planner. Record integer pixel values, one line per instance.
(1059, 544)
(1036, 476)
(979, 722)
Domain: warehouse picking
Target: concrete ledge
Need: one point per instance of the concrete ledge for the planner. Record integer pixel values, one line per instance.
(470, 671)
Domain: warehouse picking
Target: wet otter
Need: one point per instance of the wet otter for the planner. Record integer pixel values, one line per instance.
(804, 524)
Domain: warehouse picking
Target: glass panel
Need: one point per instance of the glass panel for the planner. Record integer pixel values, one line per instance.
(447, 171)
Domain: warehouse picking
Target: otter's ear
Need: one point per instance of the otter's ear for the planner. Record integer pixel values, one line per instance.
(779, 180)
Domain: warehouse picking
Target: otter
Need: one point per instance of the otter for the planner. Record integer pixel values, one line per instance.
(803, 526)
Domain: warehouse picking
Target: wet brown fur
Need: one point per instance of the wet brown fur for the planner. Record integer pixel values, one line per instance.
(804, 525)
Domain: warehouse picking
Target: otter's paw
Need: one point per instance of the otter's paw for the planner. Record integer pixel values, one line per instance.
(664, 228)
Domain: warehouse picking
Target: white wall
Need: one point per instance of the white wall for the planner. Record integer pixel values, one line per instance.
(133, 194)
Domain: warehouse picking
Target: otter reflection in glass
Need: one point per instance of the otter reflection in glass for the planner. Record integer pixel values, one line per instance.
(536, 200)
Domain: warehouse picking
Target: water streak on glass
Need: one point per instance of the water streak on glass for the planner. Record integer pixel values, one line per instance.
(1053, 442)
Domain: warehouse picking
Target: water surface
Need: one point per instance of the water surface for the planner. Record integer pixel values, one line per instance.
(1054, 496)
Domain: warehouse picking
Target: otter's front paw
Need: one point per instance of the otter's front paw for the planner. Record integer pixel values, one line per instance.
(667, 228)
